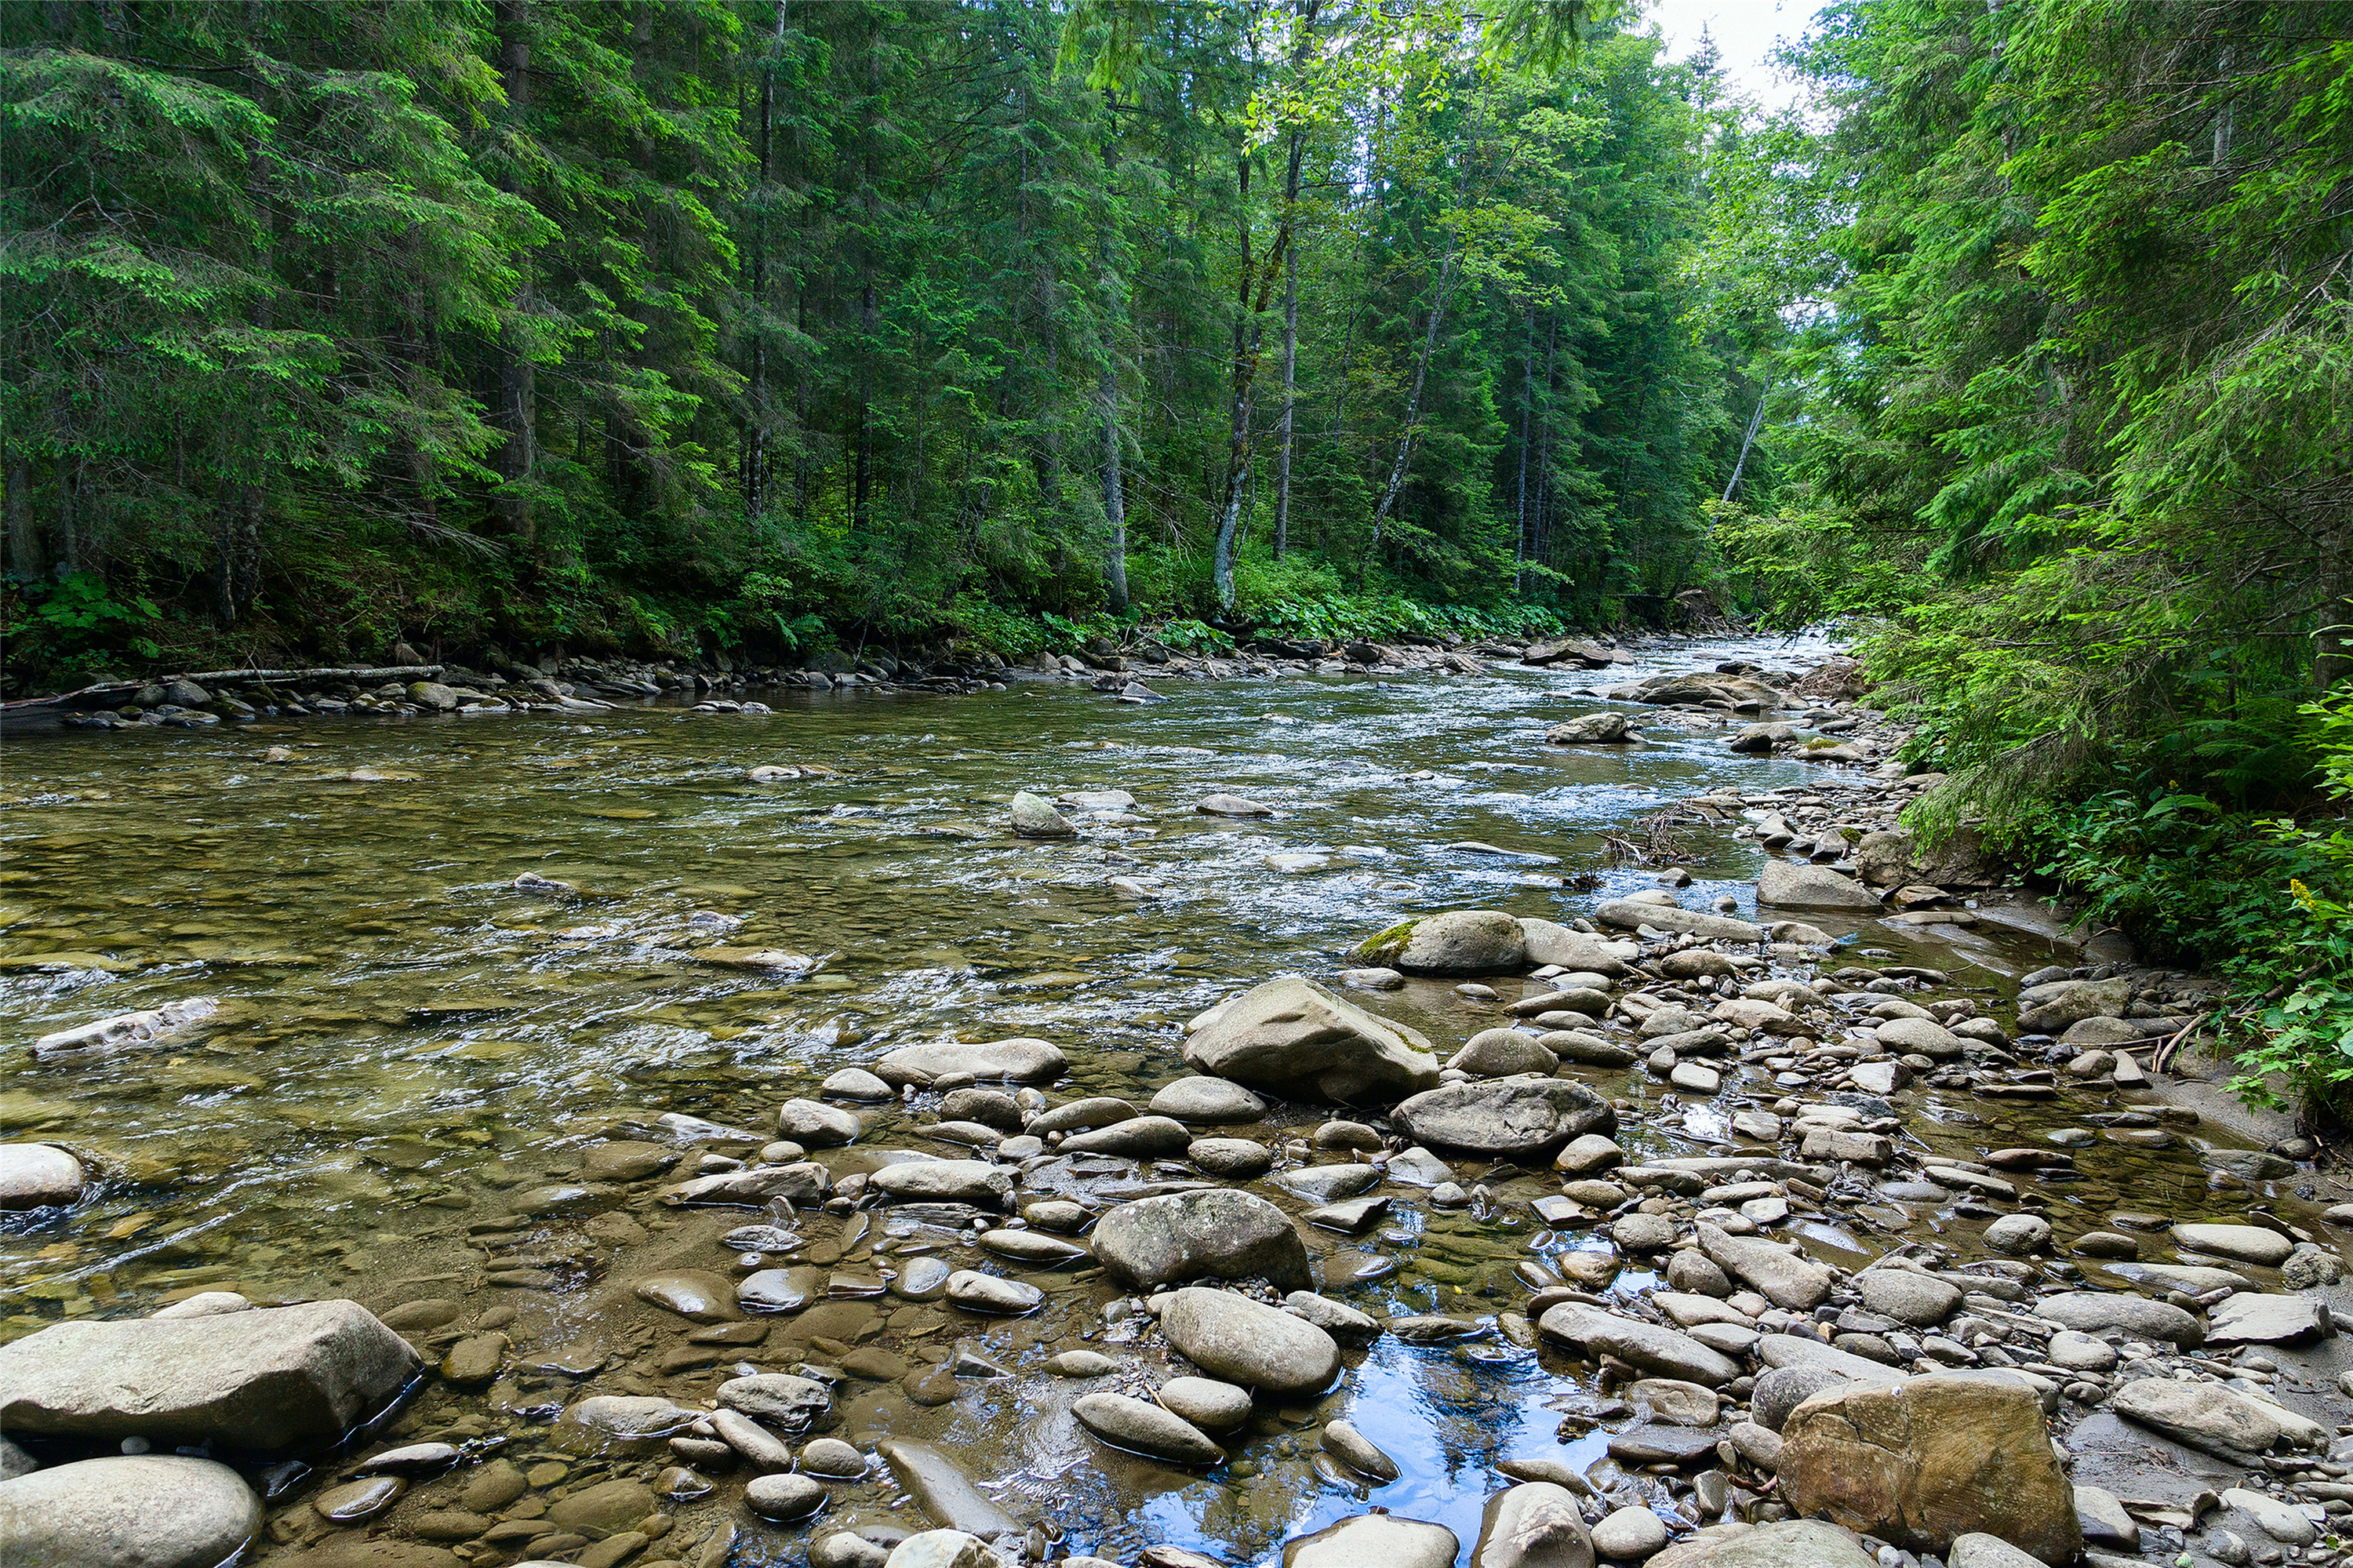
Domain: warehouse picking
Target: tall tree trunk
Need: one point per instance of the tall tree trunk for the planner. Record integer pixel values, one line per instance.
(1114, 493)
(73, 551)
(1290, 400)
(25, 556)
(2332, 662)
(1403, 466)
(1747, 440)
(239, 547)
(1248, 327)
(1544, 447)
(1527, 421)
(863, 484)
(511, 21)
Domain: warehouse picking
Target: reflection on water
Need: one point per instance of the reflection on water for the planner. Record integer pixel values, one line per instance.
(408, 1040)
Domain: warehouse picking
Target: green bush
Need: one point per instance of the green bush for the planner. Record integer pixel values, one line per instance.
(2265, 902)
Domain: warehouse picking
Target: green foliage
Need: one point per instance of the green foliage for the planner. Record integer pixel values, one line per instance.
(670, 324)
(75, 622)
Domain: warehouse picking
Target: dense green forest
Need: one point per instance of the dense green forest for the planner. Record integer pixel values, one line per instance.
(694, 326)
(2024, 347)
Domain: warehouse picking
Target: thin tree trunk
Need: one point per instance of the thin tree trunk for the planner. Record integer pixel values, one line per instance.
(1544, 447)
(2332, 662)
(1404, 464)
(71, 552)
(1290, 400)
(1755, 421)
(1527, 419)
(1248, 333)
(511, 19)
(25, 556)
(1114, 497)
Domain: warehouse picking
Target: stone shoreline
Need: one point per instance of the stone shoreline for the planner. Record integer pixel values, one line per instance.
(580, 685)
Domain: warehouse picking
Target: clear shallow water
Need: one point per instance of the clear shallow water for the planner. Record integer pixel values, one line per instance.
(407, 1040)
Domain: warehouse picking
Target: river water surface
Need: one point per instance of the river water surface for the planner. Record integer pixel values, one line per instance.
(407, 1040)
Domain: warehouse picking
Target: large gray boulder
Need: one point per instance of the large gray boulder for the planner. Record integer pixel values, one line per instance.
(1294, 1037)
(153, 1511)
(2050, 1007)
(1550, 942)
(1592, 729)
(1799, 887)
(271, 1378)
(37, 1175)
(1628, 915)
(1214, 1234)
(2096, 1311)
(1249, 1343)
(926, 1063)
(1457, 942)
(1506, 1118)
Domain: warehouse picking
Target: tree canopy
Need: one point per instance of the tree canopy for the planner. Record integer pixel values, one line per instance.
(707, 325)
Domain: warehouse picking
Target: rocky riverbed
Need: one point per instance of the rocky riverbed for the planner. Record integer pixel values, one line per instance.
(1794, 1202)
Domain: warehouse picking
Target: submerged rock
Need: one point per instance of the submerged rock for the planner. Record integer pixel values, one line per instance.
(127, 1029)
(943, 1491)
(1020, 1061)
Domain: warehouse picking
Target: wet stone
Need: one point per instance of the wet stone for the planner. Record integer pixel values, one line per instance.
(1131, 1422)
(356, 1500)
(698, 1297)
(784, 1496)
(1233, 1158)
(977, 1292)
(921, 1279)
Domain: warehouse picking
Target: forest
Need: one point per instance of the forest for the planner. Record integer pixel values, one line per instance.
(2021, 349)
(712, 327)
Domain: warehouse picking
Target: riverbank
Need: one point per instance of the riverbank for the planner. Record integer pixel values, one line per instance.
(691, 1129)
(560, 685)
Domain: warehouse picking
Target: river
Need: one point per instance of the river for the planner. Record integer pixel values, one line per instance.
(408, 1040)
